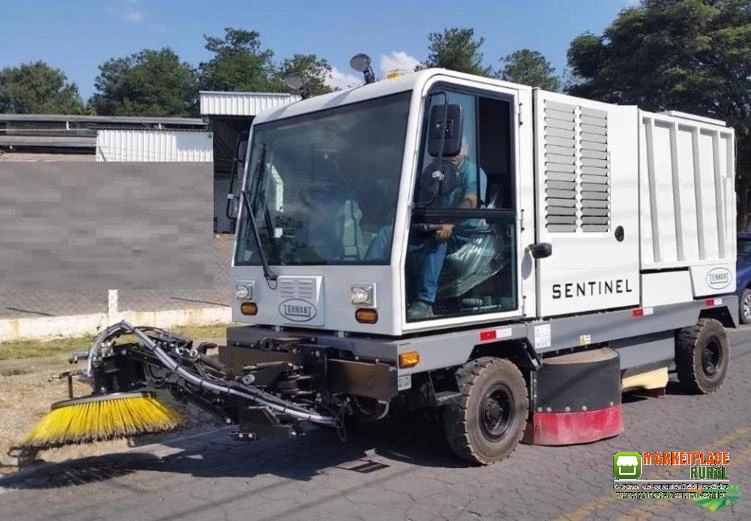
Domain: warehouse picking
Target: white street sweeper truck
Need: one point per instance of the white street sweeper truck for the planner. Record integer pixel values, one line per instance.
(510, 257)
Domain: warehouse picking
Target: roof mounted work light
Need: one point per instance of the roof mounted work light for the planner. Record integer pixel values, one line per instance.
(361, 63)
(298, 82)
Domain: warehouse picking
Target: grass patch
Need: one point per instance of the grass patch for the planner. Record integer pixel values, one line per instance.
(43, 349)
(202, 332)
(65, 346)
(16, 371)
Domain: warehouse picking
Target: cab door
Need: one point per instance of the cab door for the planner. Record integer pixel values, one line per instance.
(470, 273)
(586, 184)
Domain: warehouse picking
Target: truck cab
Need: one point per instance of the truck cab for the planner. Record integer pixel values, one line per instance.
(345, 215)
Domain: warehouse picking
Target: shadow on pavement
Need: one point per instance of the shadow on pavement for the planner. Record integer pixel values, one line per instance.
(415, 442)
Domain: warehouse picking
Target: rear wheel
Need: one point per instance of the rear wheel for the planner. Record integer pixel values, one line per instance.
(487, 422)
(745, 308)
(702, 354)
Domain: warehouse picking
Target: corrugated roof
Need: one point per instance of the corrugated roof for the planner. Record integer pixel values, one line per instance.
(103, 120)
(214, 103)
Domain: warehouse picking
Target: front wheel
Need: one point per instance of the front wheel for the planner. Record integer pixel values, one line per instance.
(486, 423)
(745, 308)
(702, 354)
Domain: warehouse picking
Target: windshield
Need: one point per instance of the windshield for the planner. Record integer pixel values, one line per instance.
(328, 185)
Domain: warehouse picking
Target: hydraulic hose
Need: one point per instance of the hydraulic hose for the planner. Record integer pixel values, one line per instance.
(256, 396)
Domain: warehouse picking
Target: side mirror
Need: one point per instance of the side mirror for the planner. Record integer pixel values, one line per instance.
(242, 149)
(540, 250)
(236, 176)
(445, 130)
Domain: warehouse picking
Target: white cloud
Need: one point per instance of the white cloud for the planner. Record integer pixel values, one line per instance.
(398, 60)
(127, 10)
(632, 3)
(340, 80)
(133, 15)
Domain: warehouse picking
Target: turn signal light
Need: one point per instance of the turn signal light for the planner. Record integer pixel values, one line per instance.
(410, 359)
(366, 316)
(248, 308)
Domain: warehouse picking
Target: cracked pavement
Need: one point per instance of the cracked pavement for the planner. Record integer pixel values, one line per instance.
(397, 471)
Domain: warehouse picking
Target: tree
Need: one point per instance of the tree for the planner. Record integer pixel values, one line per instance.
(315, 69)
(239, 63)
(531, 68)
(457, 49)
(37, 88)
(148, 83)
(689, 55)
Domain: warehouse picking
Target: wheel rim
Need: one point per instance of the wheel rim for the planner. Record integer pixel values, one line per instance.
(747, 307)
(711, 358)
(496, 411)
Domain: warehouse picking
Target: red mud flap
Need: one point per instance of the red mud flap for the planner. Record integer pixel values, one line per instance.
(569, 428)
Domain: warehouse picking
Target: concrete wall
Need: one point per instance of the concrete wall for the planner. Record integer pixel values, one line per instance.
(72, 226)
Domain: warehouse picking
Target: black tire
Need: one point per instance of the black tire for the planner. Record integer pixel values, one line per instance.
(745, 307)
(702, 353)
(486, 423)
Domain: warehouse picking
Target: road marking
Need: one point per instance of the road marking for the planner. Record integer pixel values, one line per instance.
(589, 507)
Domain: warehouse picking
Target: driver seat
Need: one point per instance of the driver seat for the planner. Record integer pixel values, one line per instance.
(476, 261)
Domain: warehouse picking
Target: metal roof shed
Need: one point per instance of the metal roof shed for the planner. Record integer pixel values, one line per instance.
(242, 104)
(154, 146)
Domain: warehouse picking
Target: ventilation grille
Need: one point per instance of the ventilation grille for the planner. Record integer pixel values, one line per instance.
(560, 167)
(300, 288)
(577, 180)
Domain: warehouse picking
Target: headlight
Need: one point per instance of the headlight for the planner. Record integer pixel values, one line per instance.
(363, 295)
(244, 291)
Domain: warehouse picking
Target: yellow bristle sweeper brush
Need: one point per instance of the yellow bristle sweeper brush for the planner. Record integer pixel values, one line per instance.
(102, 417)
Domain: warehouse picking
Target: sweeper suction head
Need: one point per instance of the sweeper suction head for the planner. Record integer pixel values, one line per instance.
(102, 417)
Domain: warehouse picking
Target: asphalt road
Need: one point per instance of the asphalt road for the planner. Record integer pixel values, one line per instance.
(398, 472)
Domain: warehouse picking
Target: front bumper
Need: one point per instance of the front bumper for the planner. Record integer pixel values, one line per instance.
(332, 364)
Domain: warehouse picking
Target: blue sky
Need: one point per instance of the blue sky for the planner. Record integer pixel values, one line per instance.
(78, 35)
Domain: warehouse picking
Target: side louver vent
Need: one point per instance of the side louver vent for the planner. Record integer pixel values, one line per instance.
(576, 169)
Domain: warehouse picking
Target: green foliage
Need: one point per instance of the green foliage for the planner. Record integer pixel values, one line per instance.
(531, 68)
(37, 88)
(315, 69)
(239, 63)
(457, 49)
(689, 55)
(148, 83)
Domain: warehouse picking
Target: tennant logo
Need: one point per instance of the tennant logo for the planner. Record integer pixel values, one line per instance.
(297, 310)
(719, 278)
